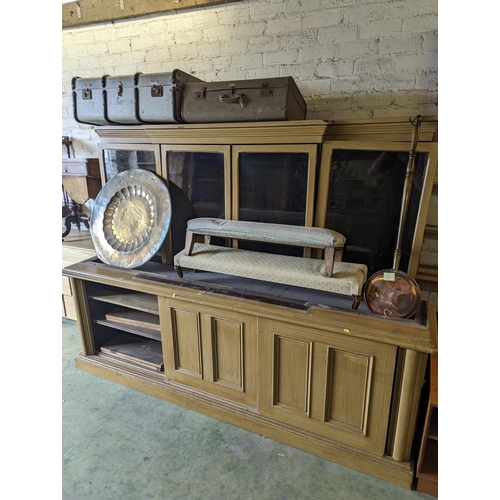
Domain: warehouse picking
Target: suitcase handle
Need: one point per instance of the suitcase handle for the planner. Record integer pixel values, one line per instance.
(236, 98)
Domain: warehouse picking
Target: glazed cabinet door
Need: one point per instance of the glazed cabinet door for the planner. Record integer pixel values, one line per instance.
(360, 192)
(274, 183)
(327, 384)
(210, 349)
(116, 158)
(202, 175)
(199, 182)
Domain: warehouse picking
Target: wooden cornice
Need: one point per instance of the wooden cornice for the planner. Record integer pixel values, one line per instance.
(382, 129)
(284, 132)
(84, 12)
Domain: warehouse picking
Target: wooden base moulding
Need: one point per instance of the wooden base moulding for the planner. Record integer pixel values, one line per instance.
(398, 473)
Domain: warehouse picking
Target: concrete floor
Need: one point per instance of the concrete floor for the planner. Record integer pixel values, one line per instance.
(121, 444)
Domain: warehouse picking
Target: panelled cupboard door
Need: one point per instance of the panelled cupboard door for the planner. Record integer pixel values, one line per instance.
(210, 349)
(327, 384)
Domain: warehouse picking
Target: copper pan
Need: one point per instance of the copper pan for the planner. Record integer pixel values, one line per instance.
(391, 292)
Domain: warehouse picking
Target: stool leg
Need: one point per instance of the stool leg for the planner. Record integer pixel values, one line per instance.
(356, 300)
(329, 254)
(188, 248)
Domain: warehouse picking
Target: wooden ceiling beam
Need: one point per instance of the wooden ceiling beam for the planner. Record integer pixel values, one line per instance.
(85, 12)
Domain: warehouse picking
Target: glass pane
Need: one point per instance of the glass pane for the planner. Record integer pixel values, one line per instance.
(116, 161)
(364, 204)
(273, 188)
(200, 176)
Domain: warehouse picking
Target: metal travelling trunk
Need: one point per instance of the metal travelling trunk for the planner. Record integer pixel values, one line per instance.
(89, 100)
(243, 101)
(121, 103)
(159, 96)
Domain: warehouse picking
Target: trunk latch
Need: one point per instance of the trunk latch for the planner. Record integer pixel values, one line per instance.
(156, 91)
(201, 95)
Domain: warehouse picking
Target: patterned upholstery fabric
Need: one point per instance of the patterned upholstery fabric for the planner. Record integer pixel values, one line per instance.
(284, 234)
(347, 278)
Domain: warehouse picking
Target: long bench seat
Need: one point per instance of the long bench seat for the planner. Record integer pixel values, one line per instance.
(328, 240)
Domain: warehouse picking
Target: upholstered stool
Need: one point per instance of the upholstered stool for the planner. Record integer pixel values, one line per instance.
(347, 278)
(330, 241)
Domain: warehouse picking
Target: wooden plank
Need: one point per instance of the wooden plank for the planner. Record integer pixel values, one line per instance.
(137, 330)
(139, 301)
(431, 229)
(87, 12)
(134, 318)
(427, 273)
(145, 352)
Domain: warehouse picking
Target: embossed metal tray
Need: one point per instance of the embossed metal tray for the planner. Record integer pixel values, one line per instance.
(130, 218)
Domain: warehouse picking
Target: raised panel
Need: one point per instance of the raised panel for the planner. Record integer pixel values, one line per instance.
(330, 385)
(186, 338)
(347, 385)
(292, 373)
(227, 352)
(209, 349)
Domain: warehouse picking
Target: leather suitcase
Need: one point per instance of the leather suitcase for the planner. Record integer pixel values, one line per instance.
(159, 96)
(243, 101)
(88, 100)
(121, 103)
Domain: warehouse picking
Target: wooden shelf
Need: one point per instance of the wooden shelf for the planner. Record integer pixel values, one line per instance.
(431, 229)
(136, 312)
(136, 330)
(131, 317)
(142, 352)
(138, 301)
(427, 273)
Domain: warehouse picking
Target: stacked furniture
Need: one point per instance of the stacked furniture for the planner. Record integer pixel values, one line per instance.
(294, 363)
(348, 278)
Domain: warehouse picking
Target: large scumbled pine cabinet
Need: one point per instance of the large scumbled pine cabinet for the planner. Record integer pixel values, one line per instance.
(293, 364)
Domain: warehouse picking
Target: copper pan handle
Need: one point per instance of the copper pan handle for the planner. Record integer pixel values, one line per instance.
(407, 188)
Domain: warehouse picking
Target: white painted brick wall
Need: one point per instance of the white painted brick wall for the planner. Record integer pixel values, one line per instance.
(365, 48)
(350, 58)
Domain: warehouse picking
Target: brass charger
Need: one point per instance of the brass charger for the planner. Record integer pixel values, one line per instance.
(130, 218)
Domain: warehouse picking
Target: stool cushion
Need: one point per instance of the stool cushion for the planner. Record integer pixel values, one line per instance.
(347, 278)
